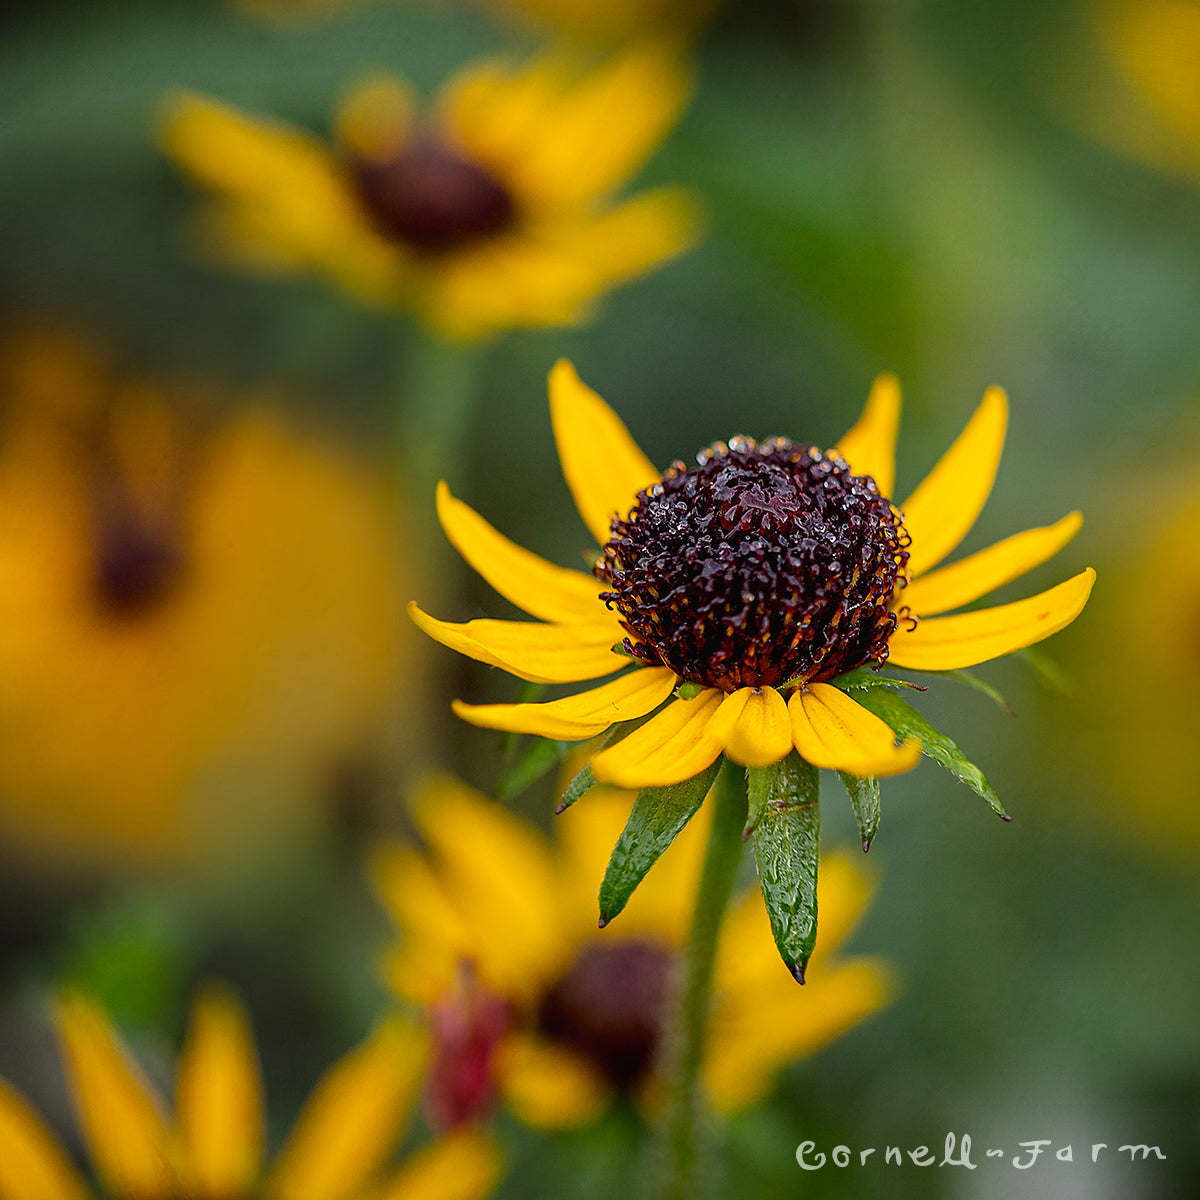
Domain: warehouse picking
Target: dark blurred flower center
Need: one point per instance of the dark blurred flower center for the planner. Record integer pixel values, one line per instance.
(761, 564)
(433, 200)
(610, 1006)
(467, 1027)
(138, 561)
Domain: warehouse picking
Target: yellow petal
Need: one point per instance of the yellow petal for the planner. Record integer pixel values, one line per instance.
(119, 1113)
(598, 132)
(870, 447)
(352, 1120)
(946, 643)
(32, 1167)
(219, 1098)
(548, 1086)
(575, 718)
(832, 730)
(542, 589)
(495, 869)
(635, 236)
(461, 1166)
(602, 464)
(967, 580)
(944, 506)
(539, 653)
(672, 746)
(376, 118)
(753, 725)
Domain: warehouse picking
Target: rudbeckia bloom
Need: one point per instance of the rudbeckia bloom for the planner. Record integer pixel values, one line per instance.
(178, 610)
(556, 1017)
(734, 596)
(739, 603)
(213, 1148)
(493, 209)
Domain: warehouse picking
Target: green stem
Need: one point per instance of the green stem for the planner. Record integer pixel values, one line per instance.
(680, 1158)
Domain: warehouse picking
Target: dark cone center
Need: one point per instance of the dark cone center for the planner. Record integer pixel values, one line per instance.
(610, 1006)
(763, 563)
(433, 200)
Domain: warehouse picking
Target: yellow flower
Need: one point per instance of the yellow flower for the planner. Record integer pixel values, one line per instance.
(213, 1149)
(741, 590)
(492, 210)
(173, 608)
(1147, 105)
(556, 1015)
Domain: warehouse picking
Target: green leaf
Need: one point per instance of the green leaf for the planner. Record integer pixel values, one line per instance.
(657, 817)
(539, 759)
(786, 838)
(907, 722)
(864, 677)
(864, 797)
(962, 675)
(580, 784)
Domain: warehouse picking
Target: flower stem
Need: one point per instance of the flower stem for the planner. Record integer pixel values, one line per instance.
(680, 1158)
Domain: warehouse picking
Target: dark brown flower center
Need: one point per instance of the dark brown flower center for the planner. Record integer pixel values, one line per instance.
(610, 1005)
(433, 200)
(761, 564)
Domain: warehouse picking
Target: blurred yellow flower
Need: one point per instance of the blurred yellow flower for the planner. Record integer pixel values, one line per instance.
(1155, 47)
(741, 591)
(213, 1149)
(185, 622)
(528, 999)
(491, 210)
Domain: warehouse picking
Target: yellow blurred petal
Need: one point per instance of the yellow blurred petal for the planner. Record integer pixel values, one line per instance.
(375, 119)
(219, 1098)
(638, 235)
(601, 130)
(870, 447)
(352, 1120)
(602, 464)
(539, 653)
(832, 730)
(547, 1086)
(414, 897)
(497, 871)
(774, 1026)
(461, 1166)
(542, 589)
(753, 725)
(117, 1109)
(672, 746)
(944, 506)
(946, 643)
(575, 718)
(32, 1167)
(961, 582)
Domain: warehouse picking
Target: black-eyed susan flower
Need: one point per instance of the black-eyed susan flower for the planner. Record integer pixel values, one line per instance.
(743, 605)
(555, 1017)
(213, 1146)
(492, 208)
(175, 603)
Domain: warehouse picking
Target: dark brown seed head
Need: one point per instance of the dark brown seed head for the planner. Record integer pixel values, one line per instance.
(432, 199)
(763, 563)
(610, 1006)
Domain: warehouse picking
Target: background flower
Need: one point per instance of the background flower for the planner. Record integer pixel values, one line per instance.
(491, 210)
(214, 1144)
(177, 606)
(564, 1015)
